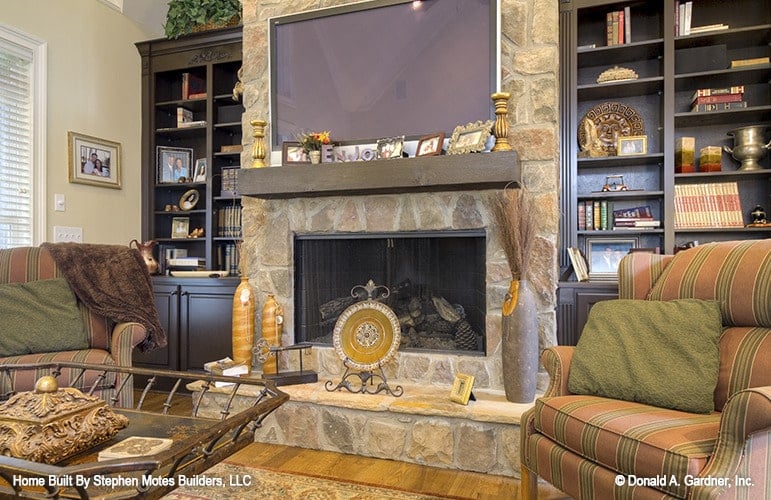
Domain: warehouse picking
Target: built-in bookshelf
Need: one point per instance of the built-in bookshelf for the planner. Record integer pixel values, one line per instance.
(682, 73)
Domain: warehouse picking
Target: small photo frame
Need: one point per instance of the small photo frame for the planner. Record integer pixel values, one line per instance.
(200, 170)
(292, 153)
(632, 145)
(173, 164)
(94, 161)
(604, 254)
(470, 138)
(189, 199)
(461, 389)
(180, 227)
(391, 147)
(430, 145)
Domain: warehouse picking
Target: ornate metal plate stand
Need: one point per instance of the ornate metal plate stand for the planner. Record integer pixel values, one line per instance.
(366, 336)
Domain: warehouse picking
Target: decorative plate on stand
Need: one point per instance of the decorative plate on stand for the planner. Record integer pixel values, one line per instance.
(366, 335)
(612, 120)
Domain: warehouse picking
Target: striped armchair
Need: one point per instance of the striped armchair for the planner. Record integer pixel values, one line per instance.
(110, 344)
(592, 447)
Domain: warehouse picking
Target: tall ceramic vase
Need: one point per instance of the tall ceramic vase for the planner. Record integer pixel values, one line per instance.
(272, 326)
(243, 323)
(520, 342)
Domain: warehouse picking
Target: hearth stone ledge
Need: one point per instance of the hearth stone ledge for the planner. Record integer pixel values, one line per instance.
(422, 426)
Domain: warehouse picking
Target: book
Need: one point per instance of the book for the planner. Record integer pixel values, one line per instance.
(192, 124)
(677, 18)
(740, 63)
(707, 28)
(713, 99)
(231, 148)
(621, 29)
(688, 12)
(581, 216)
(708, 205)
(721, 106)
(184, 115)
(736, 89)
(197, 96)
(627, 24)
(640, 212)
(135, 446)
(609, 29)
(685, 153)
(614, 28)
(579, 264)
(192, 85)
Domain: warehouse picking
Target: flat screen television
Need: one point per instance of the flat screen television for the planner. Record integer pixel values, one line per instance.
(383, 68)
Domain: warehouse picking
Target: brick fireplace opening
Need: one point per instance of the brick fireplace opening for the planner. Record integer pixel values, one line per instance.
(436, 281)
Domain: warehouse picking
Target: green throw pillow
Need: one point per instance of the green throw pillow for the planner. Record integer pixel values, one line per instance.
(40, 316)
(661, 353)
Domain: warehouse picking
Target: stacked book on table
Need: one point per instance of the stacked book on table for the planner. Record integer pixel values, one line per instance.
(636, 218)
(709, 205)
(599, 215)
(718, 99)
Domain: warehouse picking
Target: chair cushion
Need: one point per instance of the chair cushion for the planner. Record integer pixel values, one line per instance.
(630, 438)
(40, 316)
(655, 352)
(737, 274)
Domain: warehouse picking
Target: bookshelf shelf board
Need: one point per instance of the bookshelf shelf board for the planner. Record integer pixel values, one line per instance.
(223, 97)
(194, 105)
(180, 186)
(617, 232)
(179, 213)
(720, 176)
(621, 195)
(180, 241)
(220, 154)
(226, 198)
(760, 73)
(748, 35)
(732, 116)
(621, 161)
(180, 131)
(628, 88)
(227, 238)
(724, 230)
(619, 54)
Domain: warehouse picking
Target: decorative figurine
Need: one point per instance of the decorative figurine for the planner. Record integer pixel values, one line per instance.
(258, 150)
(758, 215)
(501, 126)
(616, 74)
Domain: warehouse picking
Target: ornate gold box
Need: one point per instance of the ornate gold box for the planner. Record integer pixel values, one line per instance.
(50, 424)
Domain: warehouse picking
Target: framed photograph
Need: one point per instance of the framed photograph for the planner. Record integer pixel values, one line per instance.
(470, 138)
(391, 147)
(292, 153)
(200, 170)
(604, 254)
(173, 164)
(430, 145)
(461, 389)
(180, 227)
(94, 161)
(632, 145)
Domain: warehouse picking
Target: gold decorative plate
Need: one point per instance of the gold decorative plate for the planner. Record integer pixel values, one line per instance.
(613, 120)
(366, 335)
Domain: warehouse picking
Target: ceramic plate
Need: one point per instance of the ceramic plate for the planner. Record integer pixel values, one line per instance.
(613, 120)
(366, 335)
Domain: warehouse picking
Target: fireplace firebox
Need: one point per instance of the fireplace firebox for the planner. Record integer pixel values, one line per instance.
(436, 279)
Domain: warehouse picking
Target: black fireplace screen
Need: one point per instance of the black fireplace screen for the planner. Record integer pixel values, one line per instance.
(436, 279)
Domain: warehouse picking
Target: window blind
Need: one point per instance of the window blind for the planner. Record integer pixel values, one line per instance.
(16, 144)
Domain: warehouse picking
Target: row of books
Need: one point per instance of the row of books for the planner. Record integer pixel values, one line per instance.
(185, 119)
(193, 86)
(683, 17)
(619, 29)
(599, 215)
(228, 258)
(708, 205)
(229, 221)
(229, 182)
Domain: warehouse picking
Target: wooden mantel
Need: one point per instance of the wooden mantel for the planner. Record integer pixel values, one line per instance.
(467, 172)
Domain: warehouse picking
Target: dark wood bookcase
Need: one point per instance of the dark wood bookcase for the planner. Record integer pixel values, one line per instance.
(196, 312)
(670, 69)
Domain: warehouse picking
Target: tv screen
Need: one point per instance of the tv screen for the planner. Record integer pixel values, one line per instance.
(384, 68)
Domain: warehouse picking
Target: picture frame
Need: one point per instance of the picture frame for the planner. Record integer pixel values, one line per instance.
(461, 389)
(173, 165)
(180, 227)
(200, 170)
(604, 255)
(292, 154)
(390, 147)
(189, 200)
(579, 264)
(430, 145)
(94, 161)
(632, 145)
(470, 138)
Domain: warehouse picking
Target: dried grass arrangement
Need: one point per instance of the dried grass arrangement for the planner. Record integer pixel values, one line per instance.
(514, 215)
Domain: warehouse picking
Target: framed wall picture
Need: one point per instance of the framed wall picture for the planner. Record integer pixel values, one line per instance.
(461, 389)
(173, 164)
(391, 147)
(470, 138)
(94, 161)
(632, 145)
(199, 174)
(292, 153)
(430, 145)
(180, 227)
(604, 254)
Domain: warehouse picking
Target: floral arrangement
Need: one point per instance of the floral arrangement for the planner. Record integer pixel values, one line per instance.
(313, 141)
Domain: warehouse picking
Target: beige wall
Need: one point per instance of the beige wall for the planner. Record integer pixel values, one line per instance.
(93, 89)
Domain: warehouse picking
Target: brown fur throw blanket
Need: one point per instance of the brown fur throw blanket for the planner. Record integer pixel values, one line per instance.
(112, 281)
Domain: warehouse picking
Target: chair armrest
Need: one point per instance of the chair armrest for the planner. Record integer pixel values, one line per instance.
(746, 413)
(125, 336)
(556, 361)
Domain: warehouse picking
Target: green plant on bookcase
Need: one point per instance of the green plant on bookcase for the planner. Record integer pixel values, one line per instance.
(188, 16)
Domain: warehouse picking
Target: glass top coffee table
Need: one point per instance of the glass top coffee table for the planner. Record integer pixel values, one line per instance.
(198, 443)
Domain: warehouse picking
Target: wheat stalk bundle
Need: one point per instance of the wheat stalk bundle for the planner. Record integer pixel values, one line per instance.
(514, 215)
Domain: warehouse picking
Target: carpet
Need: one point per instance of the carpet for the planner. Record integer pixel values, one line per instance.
(248, 483)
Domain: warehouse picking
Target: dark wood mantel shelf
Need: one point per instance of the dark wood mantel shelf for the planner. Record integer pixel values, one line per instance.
(467, 172)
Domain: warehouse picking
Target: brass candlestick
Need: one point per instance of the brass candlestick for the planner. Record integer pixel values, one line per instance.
(258, 151)
(501, 126)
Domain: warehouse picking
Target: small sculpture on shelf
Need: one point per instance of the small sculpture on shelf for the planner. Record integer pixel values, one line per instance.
(758, 216)
(617, 74)
(589, 141)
